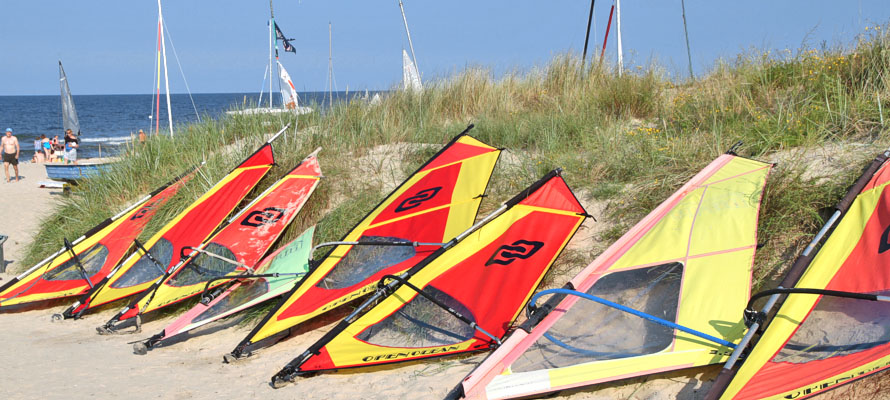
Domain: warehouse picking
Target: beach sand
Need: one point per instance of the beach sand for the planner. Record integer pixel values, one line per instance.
(22, 205)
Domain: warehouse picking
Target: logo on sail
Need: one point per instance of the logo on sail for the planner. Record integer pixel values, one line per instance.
(520, 249)
(269, 215)
(418, 199)
(884, 244)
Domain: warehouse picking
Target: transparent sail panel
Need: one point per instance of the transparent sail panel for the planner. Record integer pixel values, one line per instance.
(203, 268)
(145, 270)
(363, 261)
(92, 261)
(590, 331)
(421, 323)
(838, 327)
(237, 298)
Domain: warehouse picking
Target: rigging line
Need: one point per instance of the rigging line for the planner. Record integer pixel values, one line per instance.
(263, 86)
(153, 84)
(632, 311)
(181, 73)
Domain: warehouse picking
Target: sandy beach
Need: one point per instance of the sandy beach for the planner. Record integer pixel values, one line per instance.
(22, 205)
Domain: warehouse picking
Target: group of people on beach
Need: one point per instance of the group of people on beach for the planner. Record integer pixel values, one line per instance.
(52, 150)
(44, 150)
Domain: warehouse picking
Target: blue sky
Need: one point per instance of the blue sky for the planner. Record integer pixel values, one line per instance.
(107, 46)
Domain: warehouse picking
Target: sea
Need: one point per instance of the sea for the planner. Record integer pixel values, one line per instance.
(108, 122)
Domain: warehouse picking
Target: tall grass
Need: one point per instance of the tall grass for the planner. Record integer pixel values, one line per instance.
(628, 140)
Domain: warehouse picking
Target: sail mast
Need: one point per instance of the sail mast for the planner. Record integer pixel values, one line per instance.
(271, 38)
(330, 66)
(157, 110)
(166, 76)
(618, 33)
(410, 44)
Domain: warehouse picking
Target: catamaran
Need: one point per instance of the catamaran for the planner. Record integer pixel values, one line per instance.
(289, 99)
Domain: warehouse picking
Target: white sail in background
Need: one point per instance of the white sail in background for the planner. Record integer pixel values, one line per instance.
(410, 76)
(288, 92)
(69, 114)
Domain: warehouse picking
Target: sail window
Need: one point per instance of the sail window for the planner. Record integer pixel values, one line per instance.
(145, 270)
(363, 261)
(591, 332)
(91, 260)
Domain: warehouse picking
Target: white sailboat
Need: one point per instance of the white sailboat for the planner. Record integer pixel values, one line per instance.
(289, 100)
(69, 114)
(86, 168)
(410, 76)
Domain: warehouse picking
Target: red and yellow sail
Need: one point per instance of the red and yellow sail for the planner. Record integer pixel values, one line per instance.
(688, 262)
(97, 252)
(245, 239)
(816, 343)
(190, 228)
(433, 205)
(487, 277)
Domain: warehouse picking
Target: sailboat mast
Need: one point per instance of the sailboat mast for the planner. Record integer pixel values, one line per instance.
(157, 110)
(618, 32)
(410, 44)
(271, 39)
(166, 76)
(330, 65)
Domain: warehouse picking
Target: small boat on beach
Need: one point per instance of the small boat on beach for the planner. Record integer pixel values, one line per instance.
(73, 172)
(86, 168)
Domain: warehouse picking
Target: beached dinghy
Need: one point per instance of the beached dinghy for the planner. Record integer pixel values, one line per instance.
(85, 168)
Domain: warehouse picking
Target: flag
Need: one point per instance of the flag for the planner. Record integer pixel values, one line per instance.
(280, 36)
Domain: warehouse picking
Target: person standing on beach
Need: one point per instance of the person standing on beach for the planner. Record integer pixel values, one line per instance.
(47, 147)
(38, 151)
(70, 147)
(141, 137)
(10, 147)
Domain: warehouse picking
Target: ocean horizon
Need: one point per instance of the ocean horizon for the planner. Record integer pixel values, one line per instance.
(109, 121)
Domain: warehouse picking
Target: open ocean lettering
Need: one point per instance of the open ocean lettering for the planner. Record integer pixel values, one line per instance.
(108, 122)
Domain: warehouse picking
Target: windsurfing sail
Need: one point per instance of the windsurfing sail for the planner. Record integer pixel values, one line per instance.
(69, 114)
(81, 264)
(236, 248)
(274, 276)
(834, 326)
(462, 298)
(288, 91)
(191, 227)
(430, 207)
(410, 76)
(687, 263)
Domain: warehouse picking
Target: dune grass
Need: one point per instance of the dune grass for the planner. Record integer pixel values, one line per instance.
(627, 140)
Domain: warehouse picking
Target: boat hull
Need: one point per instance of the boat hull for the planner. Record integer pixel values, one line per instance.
(71, 172)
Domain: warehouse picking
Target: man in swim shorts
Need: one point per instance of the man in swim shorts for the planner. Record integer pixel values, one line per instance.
(10, 153)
